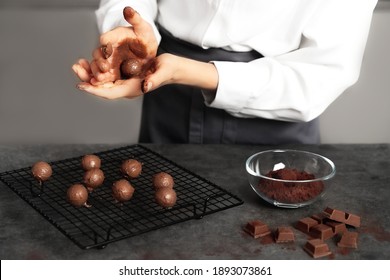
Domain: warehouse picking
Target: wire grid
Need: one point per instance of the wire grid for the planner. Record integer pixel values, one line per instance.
(107, 221)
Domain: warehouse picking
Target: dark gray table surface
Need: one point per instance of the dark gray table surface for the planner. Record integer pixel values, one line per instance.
(361, 186)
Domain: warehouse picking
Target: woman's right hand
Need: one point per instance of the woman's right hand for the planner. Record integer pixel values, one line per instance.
(105, 66)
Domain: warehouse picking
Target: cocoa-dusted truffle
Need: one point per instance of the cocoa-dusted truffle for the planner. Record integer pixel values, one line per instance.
(163, 180)
(41, 171)
(90, 161)
(93, 178)
(122, 190)
(77, 195)
(165, 197)
(131, 168)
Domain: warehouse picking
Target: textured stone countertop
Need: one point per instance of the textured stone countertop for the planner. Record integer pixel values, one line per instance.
(361, 186)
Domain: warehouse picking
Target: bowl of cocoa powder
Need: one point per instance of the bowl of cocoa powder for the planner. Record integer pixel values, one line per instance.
(289, 178)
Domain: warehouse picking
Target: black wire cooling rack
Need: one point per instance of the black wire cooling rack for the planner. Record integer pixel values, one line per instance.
(108, 221)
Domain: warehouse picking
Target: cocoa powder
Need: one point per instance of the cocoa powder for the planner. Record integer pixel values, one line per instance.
(290, 192)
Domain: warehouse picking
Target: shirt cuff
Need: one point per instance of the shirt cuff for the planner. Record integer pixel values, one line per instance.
(239, 84)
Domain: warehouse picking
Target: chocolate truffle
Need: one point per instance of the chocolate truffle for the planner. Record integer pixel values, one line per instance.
(77, 195)
(93, 178)
(163, 180)
(41, 171)
(122, 190)
(90, 161)
(165, 197)
(131, 67)
(131, 168)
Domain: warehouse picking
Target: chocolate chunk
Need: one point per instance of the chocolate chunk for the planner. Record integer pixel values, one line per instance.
(284, 234)
(343, 217)
(257, 229)
(317, 248)
(322, 232)
(337, 227)
(306, 224)
(348, 240)
(320, 217)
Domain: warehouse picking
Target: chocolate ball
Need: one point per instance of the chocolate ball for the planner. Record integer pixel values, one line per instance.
(122, 190)
(165, 197)
(163, 180)
(89, 162)
(41, 171)
(131, 68)
(93, 178)
(131, 168)
(77, 195)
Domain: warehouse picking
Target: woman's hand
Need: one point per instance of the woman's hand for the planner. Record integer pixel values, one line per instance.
(170, 69)
(138, 39)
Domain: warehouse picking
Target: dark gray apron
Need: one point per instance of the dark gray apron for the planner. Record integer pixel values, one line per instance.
(177, 114)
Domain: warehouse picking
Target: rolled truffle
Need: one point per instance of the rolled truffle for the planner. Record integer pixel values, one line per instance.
(93, 178)
(41, 171)
(122, 190)
(131, 168)
(77, 195)
(89, 162)
(163, 180)
(131, 67)
(165, 197)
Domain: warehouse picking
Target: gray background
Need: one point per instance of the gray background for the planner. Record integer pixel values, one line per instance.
(41, 39)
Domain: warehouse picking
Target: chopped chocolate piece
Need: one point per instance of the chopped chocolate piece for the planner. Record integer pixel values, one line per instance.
(343, 217)
(306, 224)
(337, 227)
(257, 229)
(348, 240)
(317, 248)
(284, 234)
(322, 232)
(320, 217)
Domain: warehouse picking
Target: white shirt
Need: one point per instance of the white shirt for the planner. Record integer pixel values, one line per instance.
(312, 48)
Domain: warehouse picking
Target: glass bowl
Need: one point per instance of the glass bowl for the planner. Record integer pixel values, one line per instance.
(289, 178)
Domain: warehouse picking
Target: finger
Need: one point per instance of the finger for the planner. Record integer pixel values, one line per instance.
(107, 90)
(95, 69)
(102, 78)
(103, 65)
(81, 72)
(140, 26)
(97, 54)
(85, 64)
(154, 81)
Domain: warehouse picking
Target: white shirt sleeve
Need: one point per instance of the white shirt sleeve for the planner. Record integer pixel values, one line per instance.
(301, 84)
(110, 13)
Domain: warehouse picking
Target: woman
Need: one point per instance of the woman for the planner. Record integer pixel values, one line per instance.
(234, 71)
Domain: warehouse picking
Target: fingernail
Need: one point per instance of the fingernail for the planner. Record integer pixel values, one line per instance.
(128, 12)
(146, 86)
(107, 50)
(81, 86)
